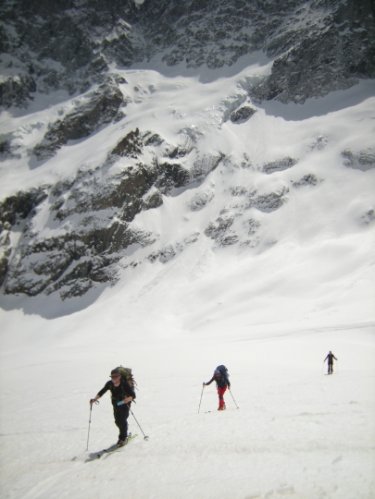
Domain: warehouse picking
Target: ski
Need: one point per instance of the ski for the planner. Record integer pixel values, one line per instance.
(109, 450)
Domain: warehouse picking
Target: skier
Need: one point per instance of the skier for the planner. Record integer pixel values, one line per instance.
(122, 396)
(222, 383)
(330, 358)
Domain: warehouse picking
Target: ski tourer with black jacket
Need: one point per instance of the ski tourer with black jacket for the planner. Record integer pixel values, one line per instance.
(122, 396)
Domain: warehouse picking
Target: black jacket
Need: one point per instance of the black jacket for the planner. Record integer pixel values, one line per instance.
(221, 380)
(330, 358)
(118, 392)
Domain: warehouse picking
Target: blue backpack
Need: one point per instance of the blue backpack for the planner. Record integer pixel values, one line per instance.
(221, 372)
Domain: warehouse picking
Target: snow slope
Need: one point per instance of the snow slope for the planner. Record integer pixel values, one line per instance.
(298, 433)
(270, 312)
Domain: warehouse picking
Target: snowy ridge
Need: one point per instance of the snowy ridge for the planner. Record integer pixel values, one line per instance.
(191, 163)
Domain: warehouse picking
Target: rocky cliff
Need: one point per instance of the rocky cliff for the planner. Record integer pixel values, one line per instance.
(77, 225)
(315, 45)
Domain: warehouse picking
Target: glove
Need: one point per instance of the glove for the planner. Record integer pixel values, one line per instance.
(94, 401)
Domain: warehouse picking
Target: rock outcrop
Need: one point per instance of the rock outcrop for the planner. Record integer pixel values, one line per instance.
(70, 235)
(89, 219)
(316, 46)
(100, 107)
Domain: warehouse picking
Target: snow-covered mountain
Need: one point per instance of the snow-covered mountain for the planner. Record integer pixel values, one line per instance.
(316, 45)
(185, 184)
(186, 133)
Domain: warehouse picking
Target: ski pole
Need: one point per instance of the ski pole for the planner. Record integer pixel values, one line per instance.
(199, 407)
(235, 403)
(143, 433)
(88, 433)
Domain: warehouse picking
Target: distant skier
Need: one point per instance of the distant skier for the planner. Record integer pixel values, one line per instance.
(122, 396)
(221, 377)
(330, 358)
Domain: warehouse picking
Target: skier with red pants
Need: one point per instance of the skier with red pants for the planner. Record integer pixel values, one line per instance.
(221, 377)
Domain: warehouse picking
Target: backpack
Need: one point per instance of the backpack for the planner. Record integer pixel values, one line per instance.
(127, 375)
(221, 372)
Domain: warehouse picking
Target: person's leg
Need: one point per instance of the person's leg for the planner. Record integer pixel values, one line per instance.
(121, 414)
(220, 392)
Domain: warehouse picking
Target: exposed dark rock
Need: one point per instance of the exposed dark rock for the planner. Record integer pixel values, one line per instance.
(238, 190)
(280, 165)
(152, 139)
(369, 217)
(320, 143)
(129, 192)
(109, 239)
(307, 180)
(5, 250)
(92, 222)
(3, 269)
(7, 150)
(71, 45)
(268, 202)
(20, 205)
(126, 191)
(63, 45)
(362, 160)
(262, 202)
(75, 288)
(252, 226)
(100, 107)
(131, 145)
(205, 165)
(170, 251)
(16, 90)
(32, 273)
(154, 200)
(4, 146)
(220, 232)
(164, 255)
(83, 276)
(178, 152)
(170, 176)
(242, 114)
(317, 46)
(329, 56)
(54, 263)
(200, 200)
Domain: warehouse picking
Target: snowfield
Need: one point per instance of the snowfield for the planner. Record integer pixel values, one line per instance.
(270, 313)
(298, 432)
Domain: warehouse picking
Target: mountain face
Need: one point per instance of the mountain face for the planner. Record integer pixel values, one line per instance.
(107, 151)
(316, 46)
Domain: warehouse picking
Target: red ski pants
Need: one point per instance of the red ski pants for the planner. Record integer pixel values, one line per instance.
(220, 392)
